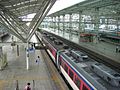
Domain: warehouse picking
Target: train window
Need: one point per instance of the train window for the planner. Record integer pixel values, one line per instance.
(77, 82)
(84, 87)
(66, 68)
(71, 74)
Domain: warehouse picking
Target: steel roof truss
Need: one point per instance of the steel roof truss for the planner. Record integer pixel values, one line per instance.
(46, 10)
(13, 16)
(11, 19)
(10, 30)
(15, 30)
(36, 17)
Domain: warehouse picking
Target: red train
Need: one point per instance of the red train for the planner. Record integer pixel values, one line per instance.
(81, 72)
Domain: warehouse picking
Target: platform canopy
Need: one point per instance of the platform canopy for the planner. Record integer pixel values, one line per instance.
(91, 7)
(15, 14)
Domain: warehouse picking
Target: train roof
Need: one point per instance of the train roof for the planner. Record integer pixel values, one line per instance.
(84, 68)
(56, 43)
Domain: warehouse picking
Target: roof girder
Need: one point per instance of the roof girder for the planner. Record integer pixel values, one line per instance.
(10, 29)
(45, 11)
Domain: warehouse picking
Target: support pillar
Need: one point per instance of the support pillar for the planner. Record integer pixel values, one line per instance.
(63, 21)
(27, 57)
(17, 50)
(106, 26)
(80, 25)
(58, 24)
(54, 24)
(96, 25)
(117, 24)
(70, 26)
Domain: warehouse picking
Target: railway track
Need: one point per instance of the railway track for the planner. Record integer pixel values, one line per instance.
(96, 56)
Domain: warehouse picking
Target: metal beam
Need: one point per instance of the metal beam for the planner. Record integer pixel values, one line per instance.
(36, 17)
(24, 26)
(86, 5)
(46, 10)
(26, 4)
(8, 29)
(11, 19)
(20, 37)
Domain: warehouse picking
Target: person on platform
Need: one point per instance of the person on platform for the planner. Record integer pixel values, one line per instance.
(27, 87)
(38, 60)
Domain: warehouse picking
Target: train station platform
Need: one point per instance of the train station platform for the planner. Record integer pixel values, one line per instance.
(41, 76)
(102, 48)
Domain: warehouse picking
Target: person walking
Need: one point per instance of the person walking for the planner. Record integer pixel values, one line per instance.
(38, 60)
(27, 87)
